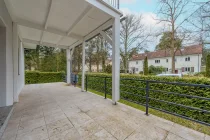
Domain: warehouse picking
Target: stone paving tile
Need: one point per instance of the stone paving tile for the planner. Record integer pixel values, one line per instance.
(119, 131)
(174, 137)
(71, 134)
(207, 137)
(11, 131)
(39, 133)
(55, 117)
(101, 135)
(58, 127)
(153, 132)
(186, 133)
(79, 119)
(63, 112)
(89, 128)
(30, 125)
(137, 136)
(52, 111)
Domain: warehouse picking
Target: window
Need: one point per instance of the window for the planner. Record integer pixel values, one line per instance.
(137, 69)
(166, 60)
(137, 62)
(187, 59)
(188, 69)
(166, 69)
(174, 59)
(157, 61)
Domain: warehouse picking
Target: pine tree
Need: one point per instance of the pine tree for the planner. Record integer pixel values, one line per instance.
(208, 65)
(146, 69)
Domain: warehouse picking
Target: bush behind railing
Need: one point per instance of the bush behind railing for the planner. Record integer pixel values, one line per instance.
(36, 77)
(133, 87)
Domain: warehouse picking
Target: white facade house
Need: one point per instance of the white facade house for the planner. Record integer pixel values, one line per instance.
(55, 23)
(187, 60)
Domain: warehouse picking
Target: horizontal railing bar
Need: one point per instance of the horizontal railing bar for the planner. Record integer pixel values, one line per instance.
(172, 83)
(132, 79)
(187, 118)
(191, 96)
(192, 108)
(133, 94)
(133, 101)
(133, 87)
(178, 83)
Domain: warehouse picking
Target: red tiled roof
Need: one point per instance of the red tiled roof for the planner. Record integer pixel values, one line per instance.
(189, 50)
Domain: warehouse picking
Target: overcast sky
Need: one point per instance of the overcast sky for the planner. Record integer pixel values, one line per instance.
(148, 8)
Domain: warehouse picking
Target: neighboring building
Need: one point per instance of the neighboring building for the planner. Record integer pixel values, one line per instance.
(94, 66)
(187, 60)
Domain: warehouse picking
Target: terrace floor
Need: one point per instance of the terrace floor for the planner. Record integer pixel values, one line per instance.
(59, 112)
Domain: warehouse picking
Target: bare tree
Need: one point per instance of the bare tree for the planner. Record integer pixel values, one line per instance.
(133, 37)
(170, 11)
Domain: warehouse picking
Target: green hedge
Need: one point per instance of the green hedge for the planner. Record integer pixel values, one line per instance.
(133, 87)
(34, 77)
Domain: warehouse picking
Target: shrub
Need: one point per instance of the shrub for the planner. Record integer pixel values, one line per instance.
(203, 73)
(35, 77)
(134, 87)
(146, 70)
(208, 65)
(108, 68)
(156, 70)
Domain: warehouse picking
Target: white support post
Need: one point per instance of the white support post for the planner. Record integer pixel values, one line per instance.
(68, 61)
(83, 65)
(116, 60)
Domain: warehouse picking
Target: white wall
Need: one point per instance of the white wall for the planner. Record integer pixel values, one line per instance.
(195, 61)
(5, 17)
(11, 82)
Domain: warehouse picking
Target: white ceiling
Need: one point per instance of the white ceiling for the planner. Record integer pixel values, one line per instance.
(64, 21)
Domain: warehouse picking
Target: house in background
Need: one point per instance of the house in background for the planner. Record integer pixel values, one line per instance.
(187, 60)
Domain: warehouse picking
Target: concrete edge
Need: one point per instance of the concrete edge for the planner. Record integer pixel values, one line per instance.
(2, 129)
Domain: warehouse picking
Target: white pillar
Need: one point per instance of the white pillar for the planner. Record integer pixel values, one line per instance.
(68, 66)
(116, 60)
(83, 65)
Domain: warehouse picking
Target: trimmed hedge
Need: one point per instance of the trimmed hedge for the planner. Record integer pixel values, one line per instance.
(35, 77)
(133, 87)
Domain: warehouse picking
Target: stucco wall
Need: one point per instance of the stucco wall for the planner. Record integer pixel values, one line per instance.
(12, 81)
(3, 66)
(5, 17)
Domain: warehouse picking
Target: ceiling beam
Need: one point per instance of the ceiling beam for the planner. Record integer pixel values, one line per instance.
(102, 27)
(25, 40)
(50, 30)
(47, 20)
(106, 37)
(81, 16)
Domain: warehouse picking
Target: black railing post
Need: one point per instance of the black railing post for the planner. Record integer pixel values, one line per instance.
(86, 82)
(147, 98)
(105, 88)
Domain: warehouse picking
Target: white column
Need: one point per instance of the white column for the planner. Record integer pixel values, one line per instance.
(16, 54)
(116, 60)
(68, 66)
(83, 65)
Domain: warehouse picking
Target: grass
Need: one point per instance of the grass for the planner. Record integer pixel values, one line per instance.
(193, 125)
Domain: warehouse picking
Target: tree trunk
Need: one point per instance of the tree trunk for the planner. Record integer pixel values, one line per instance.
(173, 47)
(90, 64)
(173, 61)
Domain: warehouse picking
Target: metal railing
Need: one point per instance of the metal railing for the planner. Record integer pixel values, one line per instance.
(114, 3)
(147, 90)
